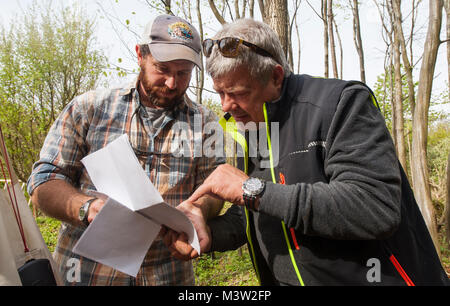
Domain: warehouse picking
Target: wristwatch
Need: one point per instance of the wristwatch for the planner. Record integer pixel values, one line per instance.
(84, 210)
(252, 189)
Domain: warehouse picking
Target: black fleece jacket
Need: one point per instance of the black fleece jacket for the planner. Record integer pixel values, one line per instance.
(341, 212)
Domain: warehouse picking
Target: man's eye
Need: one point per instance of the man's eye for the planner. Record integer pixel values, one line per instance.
(161, 69)
(240, 94)
(183, 73)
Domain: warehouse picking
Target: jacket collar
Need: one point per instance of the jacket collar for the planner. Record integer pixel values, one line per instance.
(289, 91)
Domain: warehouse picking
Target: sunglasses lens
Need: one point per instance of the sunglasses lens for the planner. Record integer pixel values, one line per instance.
(207, 47)
(228, 46)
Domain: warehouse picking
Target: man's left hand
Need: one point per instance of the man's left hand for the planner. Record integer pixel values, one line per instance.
(178, 242)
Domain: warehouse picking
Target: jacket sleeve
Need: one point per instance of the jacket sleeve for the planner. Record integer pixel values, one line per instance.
(228, 230)
(361, 200)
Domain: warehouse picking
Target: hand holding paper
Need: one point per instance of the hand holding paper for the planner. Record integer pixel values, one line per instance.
(178, 242)
(126, 226)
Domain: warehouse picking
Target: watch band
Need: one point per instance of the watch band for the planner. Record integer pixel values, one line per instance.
(85, 207)
(252, 190)
(249, 202)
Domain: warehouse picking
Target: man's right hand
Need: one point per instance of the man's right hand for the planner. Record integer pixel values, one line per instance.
(60, 200)
(178, 242)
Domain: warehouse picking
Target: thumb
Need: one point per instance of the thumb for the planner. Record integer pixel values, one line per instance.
(201, 191)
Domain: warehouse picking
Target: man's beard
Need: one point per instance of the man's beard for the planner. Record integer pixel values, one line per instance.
(154, 98)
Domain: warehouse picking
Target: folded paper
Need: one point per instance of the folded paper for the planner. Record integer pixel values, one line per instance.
(124, 229)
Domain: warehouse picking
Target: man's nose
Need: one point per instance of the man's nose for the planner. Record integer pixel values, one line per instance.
(227, 104)
(171, 82)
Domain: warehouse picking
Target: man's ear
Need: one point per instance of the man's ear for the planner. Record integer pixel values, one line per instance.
(138, 54)
(278, 76)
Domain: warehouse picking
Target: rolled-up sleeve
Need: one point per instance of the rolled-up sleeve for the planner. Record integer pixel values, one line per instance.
(63, 148)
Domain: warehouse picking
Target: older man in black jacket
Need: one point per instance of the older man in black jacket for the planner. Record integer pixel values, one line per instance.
(329, 204)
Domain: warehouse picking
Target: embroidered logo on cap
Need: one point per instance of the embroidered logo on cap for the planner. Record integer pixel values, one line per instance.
(180, 30)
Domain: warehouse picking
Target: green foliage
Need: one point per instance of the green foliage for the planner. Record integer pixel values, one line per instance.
(383, 89)
(226, 269)
(47, 57)
(437, 155)
(436, 115)
(49, 229)
(232, 268)
(214, 106)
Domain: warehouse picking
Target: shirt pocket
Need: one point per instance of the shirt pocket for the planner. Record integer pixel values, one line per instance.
(173, 171)
(180, 170)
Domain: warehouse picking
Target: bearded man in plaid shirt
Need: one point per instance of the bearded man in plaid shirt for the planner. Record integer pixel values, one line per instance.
(147, 111)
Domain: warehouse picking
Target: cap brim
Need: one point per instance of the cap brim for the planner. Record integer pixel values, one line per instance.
(172, 52)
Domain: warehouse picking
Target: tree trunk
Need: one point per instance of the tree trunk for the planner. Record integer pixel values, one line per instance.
(341, 50)
(397, 102)
(276, 16)
(398, 28)
(200, 72)
(447, 204)
(251, 7)
(330, 18)
(291, 23)
(299, 46)
(419, 168)
(447, 11)
(357, 38)
(399, 35)
(325, 37)
(236, 9)
(262, 9)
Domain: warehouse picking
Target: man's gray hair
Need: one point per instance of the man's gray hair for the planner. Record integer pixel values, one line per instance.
(260, 67)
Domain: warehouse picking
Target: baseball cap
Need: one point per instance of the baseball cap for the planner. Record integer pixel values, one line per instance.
(172, 38)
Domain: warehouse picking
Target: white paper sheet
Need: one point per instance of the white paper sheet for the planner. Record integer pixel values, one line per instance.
(123, 231)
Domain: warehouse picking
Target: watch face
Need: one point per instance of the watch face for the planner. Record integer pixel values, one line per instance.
(253, 186)
(82, 213)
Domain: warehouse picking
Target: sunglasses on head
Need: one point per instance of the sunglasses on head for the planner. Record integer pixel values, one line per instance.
(229, 47)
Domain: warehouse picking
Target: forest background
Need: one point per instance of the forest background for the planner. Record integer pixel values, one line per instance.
(52, 51)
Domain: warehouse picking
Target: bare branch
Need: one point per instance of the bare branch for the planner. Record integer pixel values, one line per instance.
(229, 8)
(216, 13)
(167, 7)
(119, 36)
(318, 15)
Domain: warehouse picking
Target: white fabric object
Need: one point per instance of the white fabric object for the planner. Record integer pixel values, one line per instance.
(12, 251)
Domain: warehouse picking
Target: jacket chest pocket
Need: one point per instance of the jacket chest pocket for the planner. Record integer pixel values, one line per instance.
(303, 166)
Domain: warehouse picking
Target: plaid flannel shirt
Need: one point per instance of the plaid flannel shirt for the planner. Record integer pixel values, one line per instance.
(89, 123)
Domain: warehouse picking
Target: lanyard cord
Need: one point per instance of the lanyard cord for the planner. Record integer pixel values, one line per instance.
(14, 203)
(269, 143)
(239, 139)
